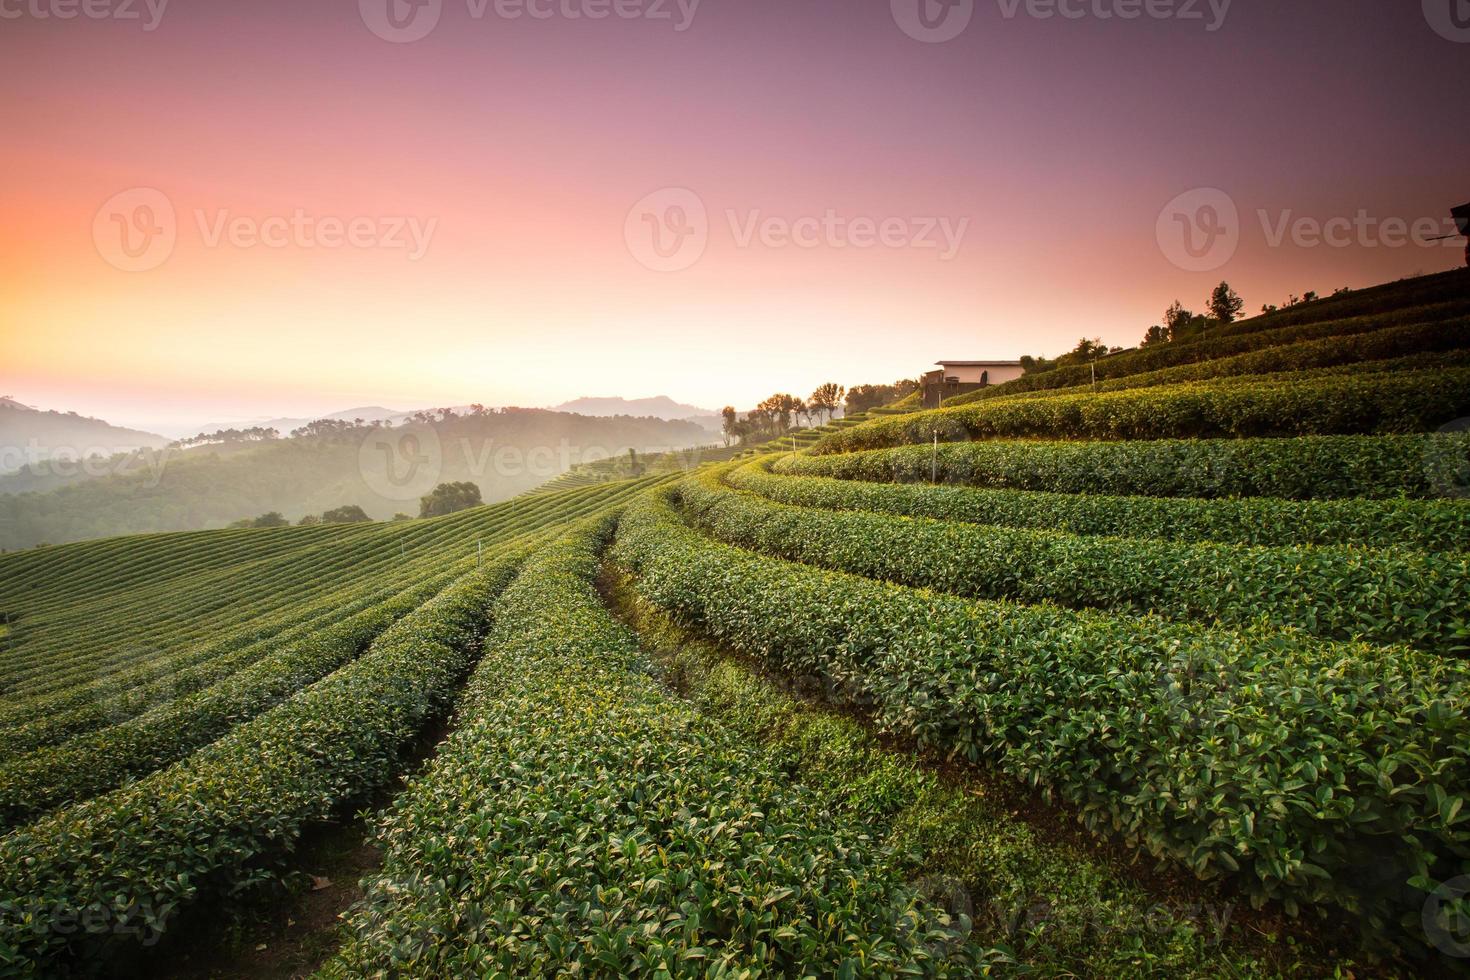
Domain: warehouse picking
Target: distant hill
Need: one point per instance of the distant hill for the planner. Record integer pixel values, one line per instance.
(383, 469)
(285, 426)
(29, 435)
(659, 407)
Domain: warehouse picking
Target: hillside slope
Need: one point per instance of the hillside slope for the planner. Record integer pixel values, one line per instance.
(1166, 680)
(29, 435)
(383, 471)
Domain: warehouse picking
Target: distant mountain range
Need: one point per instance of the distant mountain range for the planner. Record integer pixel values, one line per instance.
(385, 472)
(660, 407)
(373, 413)
(30, 435)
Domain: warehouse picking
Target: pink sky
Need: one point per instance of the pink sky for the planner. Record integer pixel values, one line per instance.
(524, 144)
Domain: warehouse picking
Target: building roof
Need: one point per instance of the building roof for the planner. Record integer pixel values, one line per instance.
(978, 363)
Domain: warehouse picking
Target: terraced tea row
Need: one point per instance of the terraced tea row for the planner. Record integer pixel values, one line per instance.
(1224, 342)
(1421, 346)
(581, 820)
(247, 597)
(1052, 906)
(1306, 771)
(241, 798)
(120, 695)
(1440, 525)
(1337, 593)
(1305, 468)
(1410, 401)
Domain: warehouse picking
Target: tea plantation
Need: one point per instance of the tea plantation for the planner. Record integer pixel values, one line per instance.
(1161, 676)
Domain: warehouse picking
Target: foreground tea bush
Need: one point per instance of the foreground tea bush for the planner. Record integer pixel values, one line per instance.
(582, 821)
(1305, 468)
(119, 867)
(1412, 401)
(93, 763)
(1054, 906)
(1416, 525)
(1337, 593)
(1307, 772)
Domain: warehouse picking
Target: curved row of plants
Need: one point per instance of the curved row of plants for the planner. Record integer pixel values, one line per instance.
(89, 764)
(265, 602)
(290, 587)
(1265, 521)
(1303, 468)
(228, 684)
(52, 576)
(1420, 346)
(1411, 401)
(180, 611)
(179, 614)
(1445, 289)
(1053, 905)
(117, 694)
(179, 602)
(108, 702)
(123, 865)
(1222, 344)
(1336, 593)
(581, 821)
(1306, 771)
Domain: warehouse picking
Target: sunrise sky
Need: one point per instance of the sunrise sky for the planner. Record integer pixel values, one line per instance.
(520, 149)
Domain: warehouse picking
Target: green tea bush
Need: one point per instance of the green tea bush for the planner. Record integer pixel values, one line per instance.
(1337, 593)
(1305, 771)
(1424, 346)
(582, 821)
(123, 864)
(1416, 525)
(94, 763)
(1303, 468)
(1412, 401)
(1247, 336)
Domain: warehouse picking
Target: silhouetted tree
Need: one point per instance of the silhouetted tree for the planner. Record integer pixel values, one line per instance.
(347, 514)
(826, 399)
(1226, 304)
(731, 423)
(448, 498)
